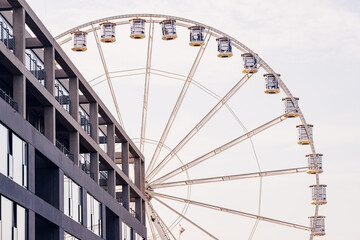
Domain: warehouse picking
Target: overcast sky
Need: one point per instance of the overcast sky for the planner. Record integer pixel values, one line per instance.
(315, 45)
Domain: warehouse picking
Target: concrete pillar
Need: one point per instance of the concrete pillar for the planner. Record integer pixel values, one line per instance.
(94, 120)
(112, 182)
(110, 136)
(125, 157)
(142, 176)
(19, 33)
(74, 97)
(74, 143)
(103, 222)
(138, 172)
(31, 168)
(31, 225)
(49, 66)
(143, 217)
(138, 208)
(84, 207)
(50, 123)
(61, 191)
(94, 166)
(126, 196)
(19, 93)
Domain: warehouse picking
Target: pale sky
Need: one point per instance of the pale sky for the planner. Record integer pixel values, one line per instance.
(313, 44)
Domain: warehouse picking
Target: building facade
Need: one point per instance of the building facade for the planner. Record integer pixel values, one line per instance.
(67, 168)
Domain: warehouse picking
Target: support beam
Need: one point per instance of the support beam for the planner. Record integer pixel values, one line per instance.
(94, 166)
(19, 32)
(125, 157)
(19, 93)
(49, 66)
(94, 120)
(33, 43)
(111, 182)
(74, 143)
(228, 178)
(50, 123)
(5, 6)
(61, 74)
(227, 210)
(110, 138)
(74, 98)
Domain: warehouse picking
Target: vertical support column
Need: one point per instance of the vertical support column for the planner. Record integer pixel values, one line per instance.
(49, 66)
(31, 168)
(50, 123)
(61, 191)
(125, 157)
(74, 97)
(84, 207)
(112, 182)
(94, 120)
(19, 93)
(103, 221)
(138, 208)
(138, 172)
(94, 166)
(120, 229)
(19, 33)
(31, 225)
(74, 142)
(126, 196)
(110, 136)
(143, 217)
(142, 176)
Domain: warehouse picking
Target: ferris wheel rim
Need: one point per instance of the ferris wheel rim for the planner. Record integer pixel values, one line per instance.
(237, 44)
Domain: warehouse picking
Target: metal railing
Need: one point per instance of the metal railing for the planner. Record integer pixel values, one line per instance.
(9, 100)
(32, 65)
(62, 148)
(7, 38)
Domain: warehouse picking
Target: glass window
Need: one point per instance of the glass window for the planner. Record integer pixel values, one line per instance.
(21, 222)
(6, 218)
(68, 236)
(18, 162)
(94, 215)
(72, 199)
(4, 149)
(126, 232)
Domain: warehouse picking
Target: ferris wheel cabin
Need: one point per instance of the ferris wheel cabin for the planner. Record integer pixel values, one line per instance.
(224, 47)
(303, 138)
(319, 192)
(271, 83)
(108, 32)
(250, 63)
(137, 28)
(289, 107)
(319, 224)
(168, 30)
(314, 163)
(196, 36)
(79, 39)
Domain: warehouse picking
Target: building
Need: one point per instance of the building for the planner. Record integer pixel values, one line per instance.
(67, 168)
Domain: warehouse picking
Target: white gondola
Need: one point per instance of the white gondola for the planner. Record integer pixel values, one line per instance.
(196, 36)
(168, 29)
(289, 108)
(250, 63)
(321, 192)
(303, 138)
(224, 47)
(319, 225)
(271, 83)
(314, 163)
(108, 32)
(137, 28)
(79, 41)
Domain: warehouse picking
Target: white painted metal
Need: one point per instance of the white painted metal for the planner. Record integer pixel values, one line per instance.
(228, 178)
(220, 149)
(227, 210)
(156, 221)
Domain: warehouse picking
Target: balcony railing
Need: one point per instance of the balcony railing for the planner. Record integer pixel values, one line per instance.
(62, 148)
(9, 100)
(84, 165)
(7, 38)
(35, 68)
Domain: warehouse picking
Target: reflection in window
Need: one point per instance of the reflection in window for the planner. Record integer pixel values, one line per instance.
(94, 215)
(72, 199)
(68, 236)
(13, 219)
(13, 156)
(126, 232)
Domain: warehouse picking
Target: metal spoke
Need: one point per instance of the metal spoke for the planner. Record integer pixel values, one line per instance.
(147, 84)
(117, 76)
(187, 219)
(231, 211)
(228, 178)
(197, 128)
(157, 223)
(150, 224)
(220, 149)
(178, 103)
(108, 77)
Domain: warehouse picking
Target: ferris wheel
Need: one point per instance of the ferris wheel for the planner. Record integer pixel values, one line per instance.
(176, 152)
